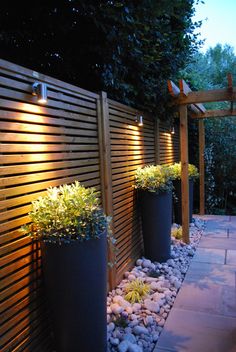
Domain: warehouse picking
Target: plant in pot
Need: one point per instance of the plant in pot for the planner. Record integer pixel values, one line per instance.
(71, 228)
(154, 186)
(175, 171)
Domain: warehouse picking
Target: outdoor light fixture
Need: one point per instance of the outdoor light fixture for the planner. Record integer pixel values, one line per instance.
(172, 131)
(139, 120)
(40, 89)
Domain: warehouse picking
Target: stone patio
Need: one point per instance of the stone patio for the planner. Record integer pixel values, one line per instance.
(203, 318)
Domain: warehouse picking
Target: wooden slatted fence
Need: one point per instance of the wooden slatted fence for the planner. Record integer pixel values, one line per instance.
(168, 144)
(131, 146)
(77, 135)
(41, 146)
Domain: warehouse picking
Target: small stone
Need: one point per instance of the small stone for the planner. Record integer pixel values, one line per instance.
(136, 307)
(114, 341)
(151, 305)
(147, 263)
(133, 317)
(155, 337)
(128, 330)
(110, 327)
(133, 323)
(171, 262)
(135, 348)
(129, 310)
(154, 285)
(149, 320)
(139, 262)
(117, 334)
(116, 309)
(118, 299)
(129, 337)
(109, 311)
(162, 322)
(138, 330)
(123, 346)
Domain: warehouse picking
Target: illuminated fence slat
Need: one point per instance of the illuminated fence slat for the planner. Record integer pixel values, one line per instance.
(49, 145)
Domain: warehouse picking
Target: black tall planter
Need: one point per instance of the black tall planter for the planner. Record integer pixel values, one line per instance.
(156, 212)
(177, 200)
(76, 283)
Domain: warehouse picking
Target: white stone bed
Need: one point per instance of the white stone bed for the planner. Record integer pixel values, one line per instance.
(136, 327)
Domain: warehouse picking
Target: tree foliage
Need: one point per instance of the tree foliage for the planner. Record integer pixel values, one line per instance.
(209, 71)
(128, 48)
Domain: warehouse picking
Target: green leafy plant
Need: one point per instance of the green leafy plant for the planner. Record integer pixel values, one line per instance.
(67, 213)
(175, 171)
(136, 290)
(177, 232)
(154, 178)
(121, 321)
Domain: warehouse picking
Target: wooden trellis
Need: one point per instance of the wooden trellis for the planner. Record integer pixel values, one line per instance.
(190, 104)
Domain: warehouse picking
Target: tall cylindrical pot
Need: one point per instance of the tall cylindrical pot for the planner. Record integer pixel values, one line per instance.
(156, 213)
(76, 283)
(177, 201)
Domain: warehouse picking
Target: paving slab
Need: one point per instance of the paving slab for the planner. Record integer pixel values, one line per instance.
(232, 218)
(231, 257)
(214, 218)
(217, 243)
(206, 273)
(209, 255)
(208, 298)
(203, 318)
(217, 233)
(198, 332)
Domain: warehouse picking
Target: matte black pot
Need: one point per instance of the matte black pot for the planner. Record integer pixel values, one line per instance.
(177, 201)
(156, 212)
(76, 282)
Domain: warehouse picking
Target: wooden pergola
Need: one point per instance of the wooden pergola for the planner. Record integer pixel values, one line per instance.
(190, 104)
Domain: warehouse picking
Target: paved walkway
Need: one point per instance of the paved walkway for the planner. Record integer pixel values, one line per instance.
(203, 318)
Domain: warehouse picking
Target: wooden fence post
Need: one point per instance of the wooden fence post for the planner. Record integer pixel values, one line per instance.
(184, 171)
(201, 130)
(105, 173)
(157, 141)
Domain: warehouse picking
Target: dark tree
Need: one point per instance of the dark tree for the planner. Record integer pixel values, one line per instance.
(128, 48)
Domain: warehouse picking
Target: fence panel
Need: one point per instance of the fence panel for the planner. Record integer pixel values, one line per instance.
(131, 146)
(41, 146)
(168, 144)
(77, 135)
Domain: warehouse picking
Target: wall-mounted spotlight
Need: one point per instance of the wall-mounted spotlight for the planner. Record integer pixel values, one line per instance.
(139, 120)
(40, 89)
(172, 130)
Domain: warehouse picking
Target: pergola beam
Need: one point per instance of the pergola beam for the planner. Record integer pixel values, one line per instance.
(185, 90)
(213, 113)
(201, 130)
(213, 95)
(175, 91)
(184, 171)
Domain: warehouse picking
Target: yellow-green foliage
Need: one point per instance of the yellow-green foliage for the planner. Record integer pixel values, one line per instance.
(175, 171)
(136, 290)
(177, 232)
(65, 213)
(154, 178)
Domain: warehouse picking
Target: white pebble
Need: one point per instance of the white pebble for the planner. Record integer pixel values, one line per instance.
(123, 346)
(147, 263)
(114, 341)
(138, 330)
(116, 309)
